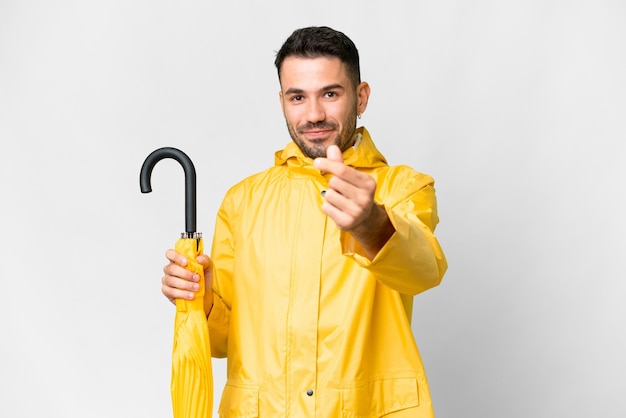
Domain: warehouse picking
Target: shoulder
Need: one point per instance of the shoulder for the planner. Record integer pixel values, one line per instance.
(254, 181)
(251, 185)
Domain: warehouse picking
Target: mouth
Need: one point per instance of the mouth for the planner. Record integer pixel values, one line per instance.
(318, 135)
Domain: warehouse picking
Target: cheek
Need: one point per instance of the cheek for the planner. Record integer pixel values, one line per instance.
(292, 117)
(339, 113)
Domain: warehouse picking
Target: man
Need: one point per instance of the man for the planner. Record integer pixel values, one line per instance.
(316, 260)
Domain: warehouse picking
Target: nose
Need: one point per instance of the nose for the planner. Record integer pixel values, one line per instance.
(315, 112)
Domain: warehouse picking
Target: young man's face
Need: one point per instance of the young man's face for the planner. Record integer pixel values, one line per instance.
(320, 103)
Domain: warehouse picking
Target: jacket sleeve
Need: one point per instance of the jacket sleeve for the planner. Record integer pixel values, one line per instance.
(222, 254)
(411, 261)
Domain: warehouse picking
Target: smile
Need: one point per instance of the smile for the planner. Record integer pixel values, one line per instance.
(316, 135)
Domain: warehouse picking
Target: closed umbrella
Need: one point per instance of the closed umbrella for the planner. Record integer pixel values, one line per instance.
(192, 376)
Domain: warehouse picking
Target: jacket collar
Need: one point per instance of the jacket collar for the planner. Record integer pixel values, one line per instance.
(363, 154)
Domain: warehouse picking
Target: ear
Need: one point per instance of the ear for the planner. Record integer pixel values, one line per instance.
(362, 96)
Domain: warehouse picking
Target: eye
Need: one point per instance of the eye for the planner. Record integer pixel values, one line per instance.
(330, 94)
(297, 98)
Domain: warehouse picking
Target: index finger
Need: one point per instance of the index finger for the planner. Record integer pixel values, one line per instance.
(176, 257)
(327, 165)
(339, 169)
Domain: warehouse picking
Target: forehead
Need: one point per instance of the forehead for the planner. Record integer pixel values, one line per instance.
(311, 73)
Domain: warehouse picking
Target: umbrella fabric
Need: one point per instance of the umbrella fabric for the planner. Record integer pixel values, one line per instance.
(192, 376)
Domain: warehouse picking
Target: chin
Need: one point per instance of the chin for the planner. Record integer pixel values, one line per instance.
(312, 150)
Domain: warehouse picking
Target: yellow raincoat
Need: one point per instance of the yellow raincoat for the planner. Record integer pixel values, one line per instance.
(310, 326)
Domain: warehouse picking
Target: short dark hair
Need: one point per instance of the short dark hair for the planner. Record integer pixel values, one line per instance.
(321, 41)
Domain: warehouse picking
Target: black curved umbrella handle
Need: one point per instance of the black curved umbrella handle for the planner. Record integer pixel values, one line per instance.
(190, 180)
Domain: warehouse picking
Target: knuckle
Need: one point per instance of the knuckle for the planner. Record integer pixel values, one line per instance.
(364, 203)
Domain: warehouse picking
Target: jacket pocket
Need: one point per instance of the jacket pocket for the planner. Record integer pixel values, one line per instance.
(239, 401)
(376, 398)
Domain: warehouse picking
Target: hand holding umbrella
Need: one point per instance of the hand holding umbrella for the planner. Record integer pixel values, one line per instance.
(192, 378)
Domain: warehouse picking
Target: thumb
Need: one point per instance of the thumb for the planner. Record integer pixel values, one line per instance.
(205, 261)
(333, 153)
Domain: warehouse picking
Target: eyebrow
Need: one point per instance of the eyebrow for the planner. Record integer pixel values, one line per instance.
(330, 87)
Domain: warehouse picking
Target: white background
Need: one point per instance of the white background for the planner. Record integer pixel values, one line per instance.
(517, 110)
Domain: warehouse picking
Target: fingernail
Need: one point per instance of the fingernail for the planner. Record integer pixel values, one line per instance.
(196, 278)
(195, 286)
(190, 296)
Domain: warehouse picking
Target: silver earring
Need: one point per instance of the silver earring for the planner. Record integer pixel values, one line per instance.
(359, 116)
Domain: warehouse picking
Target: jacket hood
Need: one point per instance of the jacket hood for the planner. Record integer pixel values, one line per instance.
(363, 154)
